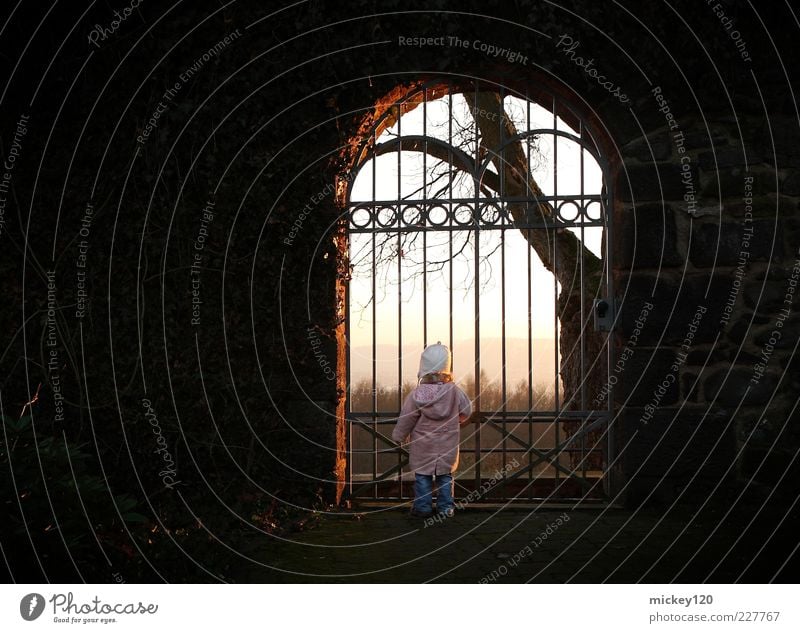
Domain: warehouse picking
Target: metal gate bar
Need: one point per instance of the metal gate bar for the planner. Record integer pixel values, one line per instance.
(544, 455)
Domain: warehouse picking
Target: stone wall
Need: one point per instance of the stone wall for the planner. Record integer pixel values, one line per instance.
(708, 394)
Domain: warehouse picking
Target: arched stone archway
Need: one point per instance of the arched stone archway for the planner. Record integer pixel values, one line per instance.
(583, 280)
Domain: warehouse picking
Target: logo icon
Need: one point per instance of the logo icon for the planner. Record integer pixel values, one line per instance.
(31, 606)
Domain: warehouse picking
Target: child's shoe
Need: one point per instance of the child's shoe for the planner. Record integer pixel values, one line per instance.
(420, 515)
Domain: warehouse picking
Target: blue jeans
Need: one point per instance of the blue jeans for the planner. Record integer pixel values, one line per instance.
(423, 493)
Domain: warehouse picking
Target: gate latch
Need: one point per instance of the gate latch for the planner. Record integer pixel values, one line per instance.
(605, 311)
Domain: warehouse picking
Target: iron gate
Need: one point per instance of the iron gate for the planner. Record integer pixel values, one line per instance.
(460, 210)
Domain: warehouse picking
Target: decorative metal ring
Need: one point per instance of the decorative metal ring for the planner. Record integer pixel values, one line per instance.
(594, 210)
(463, 215)
(490, 213)
(411, 216)
(438, 215)
(386, 216)
(361, 217)
(566, 214)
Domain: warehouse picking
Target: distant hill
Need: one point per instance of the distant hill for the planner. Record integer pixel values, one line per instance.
(463, 360)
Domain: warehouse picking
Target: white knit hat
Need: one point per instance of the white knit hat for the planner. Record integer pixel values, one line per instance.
(435, 359)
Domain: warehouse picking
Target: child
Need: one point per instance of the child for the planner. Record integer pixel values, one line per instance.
(431, 415)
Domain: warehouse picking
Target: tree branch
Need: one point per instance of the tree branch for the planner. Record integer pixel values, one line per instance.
(441, 151)
(496, 128)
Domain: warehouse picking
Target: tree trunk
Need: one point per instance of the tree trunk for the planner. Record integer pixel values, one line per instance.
(495, 128)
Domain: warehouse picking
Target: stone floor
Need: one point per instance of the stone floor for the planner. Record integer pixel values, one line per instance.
(553, 545)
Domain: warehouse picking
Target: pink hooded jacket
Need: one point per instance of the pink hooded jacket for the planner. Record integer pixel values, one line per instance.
(430, 416)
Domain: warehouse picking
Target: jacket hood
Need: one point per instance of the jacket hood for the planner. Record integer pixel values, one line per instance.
(435, 400)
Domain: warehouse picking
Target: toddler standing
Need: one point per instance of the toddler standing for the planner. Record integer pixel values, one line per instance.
(431, 415)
